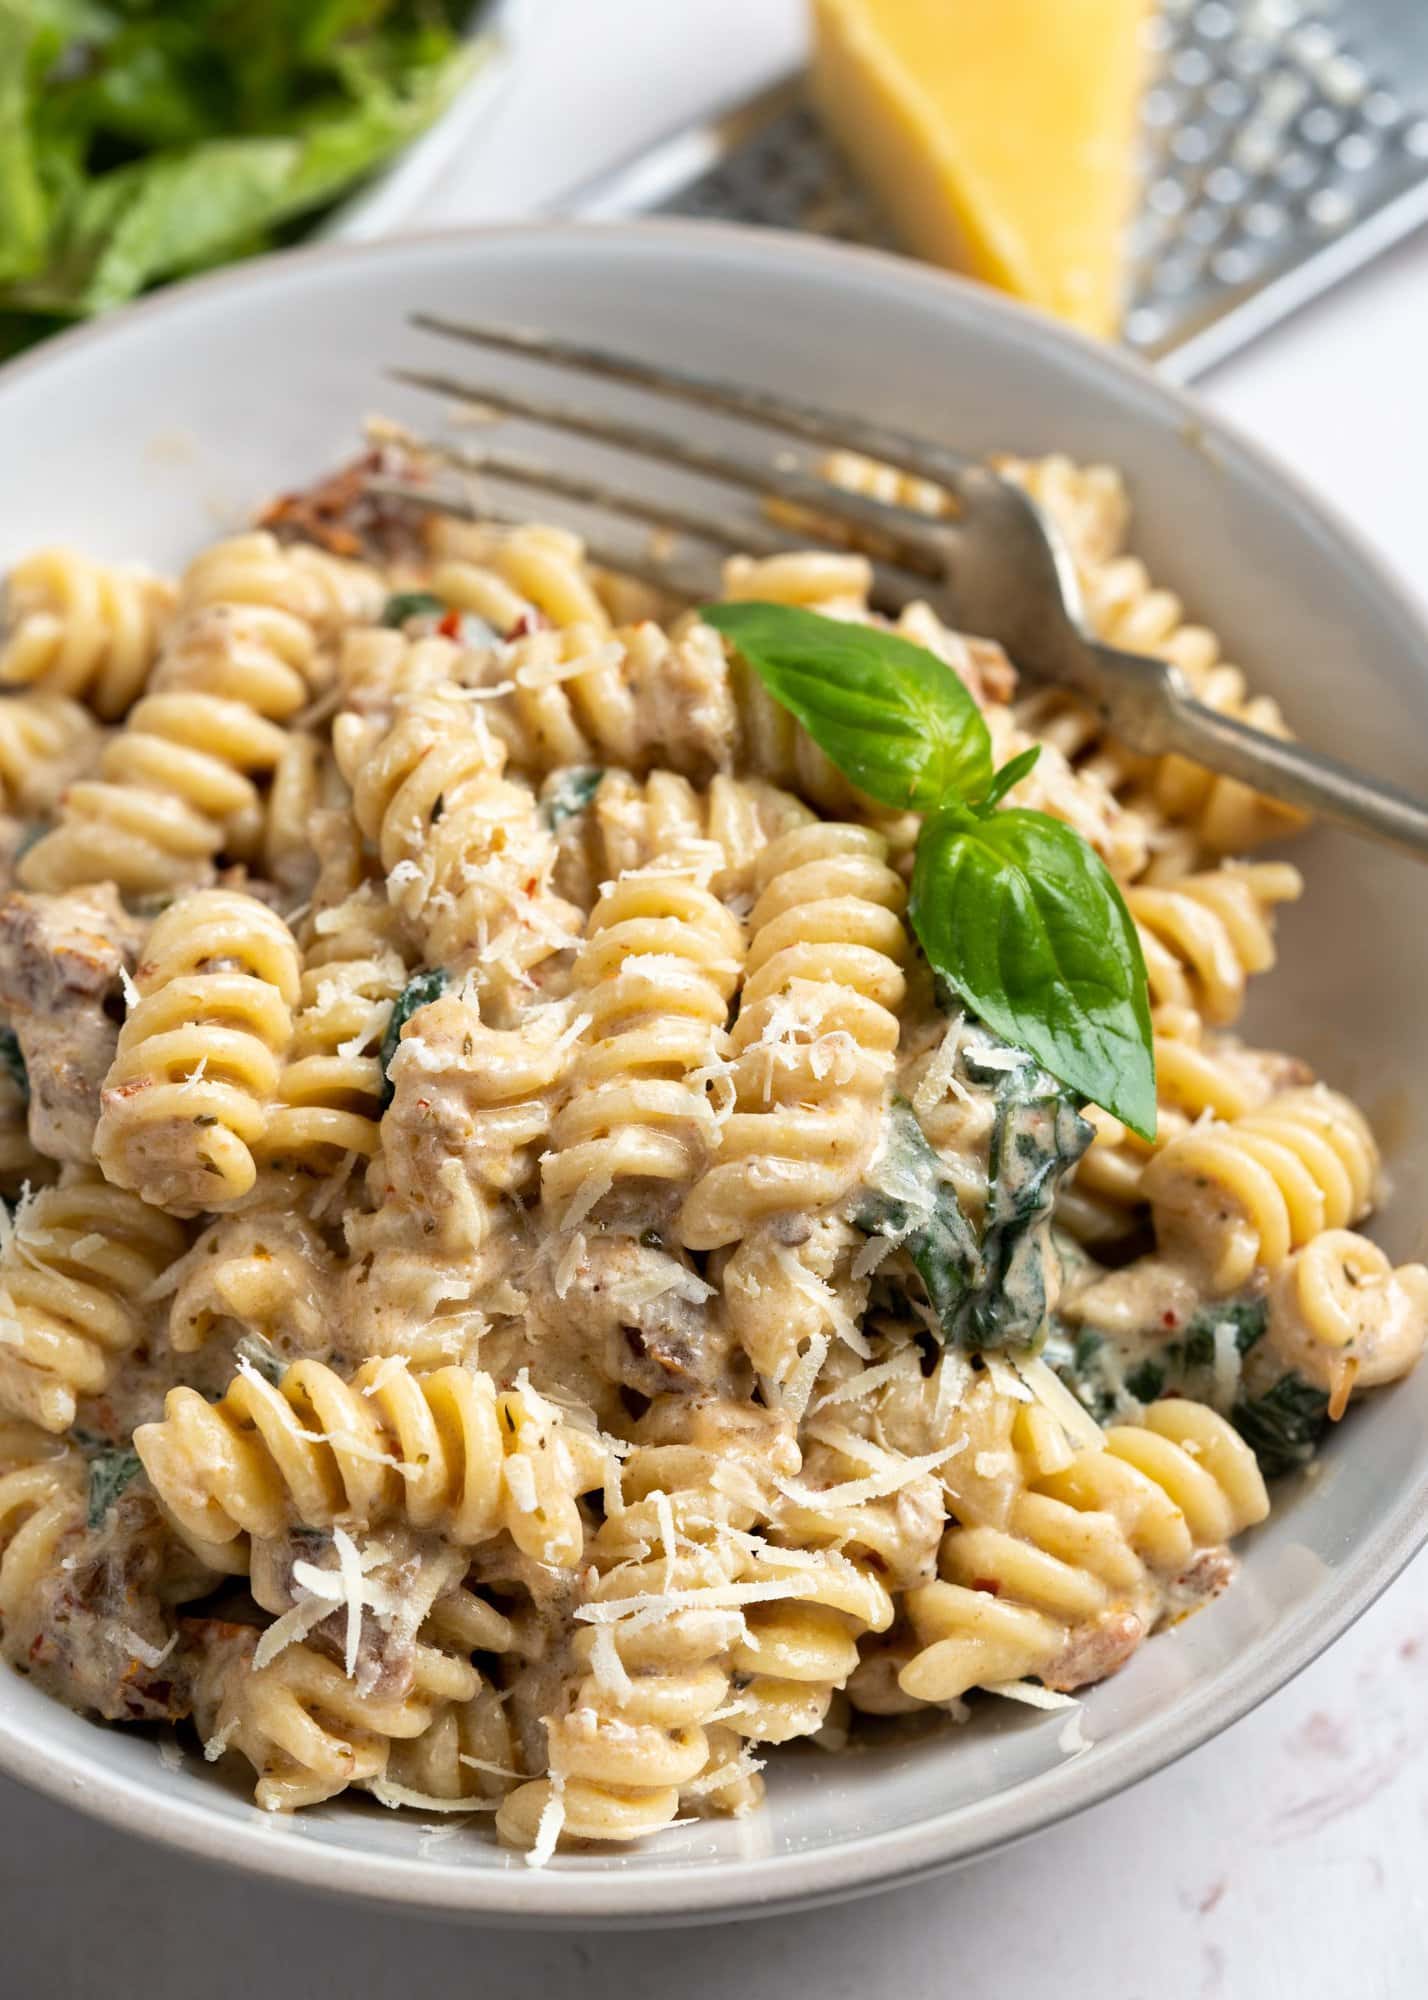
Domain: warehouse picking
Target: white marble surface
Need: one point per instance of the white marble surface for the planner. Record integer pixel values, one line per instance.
(1285, 1859)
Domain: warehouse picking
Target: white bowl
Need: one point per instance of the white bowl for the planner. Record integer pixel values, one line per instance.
(163, 426)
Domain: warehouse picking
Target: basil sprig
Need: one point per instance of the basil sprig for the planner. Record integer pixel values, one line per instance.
(1011, 906)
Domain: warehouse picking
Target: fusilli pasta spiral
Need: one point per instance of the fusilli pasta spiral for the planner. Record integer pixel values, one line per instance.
(443, 1451)
(186, 1100)
(83, 629)
(815, 1033)
(655, 974)
(1340, 1311)
(1246, 1193)
(73, 1281)
(46, 741)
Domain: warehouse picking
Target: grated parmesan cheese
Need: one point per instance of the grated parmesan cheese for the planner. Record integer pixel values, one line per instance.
(1228, 1365)
(147, 1655)
(552, 1819)
(868, 1379)
(1005, 1380)
(794, 1393)
(890, 1474)
(216, 1745)
(482, 1764)
(1032, 1693)
(520, 1484)
(387, 1792)
(595, 1186)
(825, 1297)
(606, 1665)
(539, 673)
(939, 1079)
(1082, 1430)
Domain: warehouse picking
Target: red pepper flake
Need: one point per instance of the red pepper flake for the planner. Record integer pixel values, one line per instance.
(988, 1584)
(528, 622)
(450, 626)
(1170, 1319)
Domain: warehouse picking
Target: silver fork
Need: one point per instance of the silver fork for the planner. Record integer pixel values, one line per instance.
(992, 565)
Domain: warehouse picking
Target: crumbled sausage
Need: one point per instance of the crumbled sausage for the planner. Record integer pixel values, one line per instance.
(62, 961)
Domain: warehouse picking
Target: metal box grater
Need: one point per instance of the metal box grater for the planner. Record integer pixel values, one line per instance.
(1284, 142)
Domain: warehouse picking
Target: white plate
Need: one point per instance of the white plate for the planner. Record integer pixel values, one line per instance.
(146, 435)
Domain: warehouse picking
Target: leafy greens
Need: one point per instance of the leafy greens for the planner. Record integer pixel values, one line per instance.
(140, 142)
(1015, 911)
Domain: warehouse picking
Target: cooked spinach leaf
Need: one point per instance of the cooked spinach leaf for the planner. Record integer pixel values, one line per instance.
(420, 990)
(1284, 1426)
(914, 1203)
(569, 793)
(987, 1292)
(1037, 1136)
(258, 1351)
(13, 1059)
(110, 1471)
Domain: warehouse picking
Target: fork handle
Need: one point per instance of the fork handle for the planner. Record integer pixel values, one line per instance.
(1297, 777)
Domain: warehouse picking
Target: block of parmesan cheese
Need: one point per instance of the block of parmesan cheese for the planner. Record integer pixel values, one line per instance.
(998, 134)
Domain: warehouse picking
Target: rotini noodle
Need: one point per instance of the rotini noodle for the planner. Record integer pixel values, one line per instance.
(815, 1034)
(73, 1282)
(82, 629)
(186, 1100)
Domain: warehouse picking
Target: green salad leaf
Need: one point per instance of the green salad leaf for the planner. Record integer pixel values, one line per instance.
(140, 142)
(1012, 907)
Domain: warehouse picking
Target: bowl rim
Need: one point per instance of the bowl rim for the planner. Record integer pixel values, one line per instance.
(645, 1896)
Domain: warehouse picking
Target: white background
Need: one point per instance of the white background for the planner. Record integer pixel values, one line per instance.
(1285, 1859)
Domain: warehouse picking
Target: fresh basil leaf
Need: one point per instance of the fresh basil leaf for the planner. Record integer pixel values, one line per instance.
(12, 1059)
(893, 717)
(109, 1473)
(405, 604)
(1025, 921)
(1009, 776)
(420, 990)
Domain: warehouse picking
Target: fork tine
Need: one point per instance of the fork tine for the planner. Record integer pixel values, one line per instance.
(894, 532)
(514, 470)
(785, 413)
(689, 579)
(892, 588)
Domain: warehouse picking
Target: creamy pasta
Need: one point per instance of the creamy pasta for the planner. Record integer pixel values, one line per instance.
(520, 1290)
